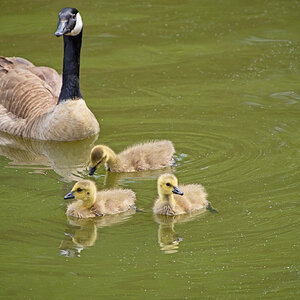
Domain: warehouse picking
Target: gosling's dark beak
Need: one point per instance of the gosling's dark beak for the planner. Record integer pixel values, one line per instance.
(177, 191)
(69, 195)
(92, 171)
(61, 28)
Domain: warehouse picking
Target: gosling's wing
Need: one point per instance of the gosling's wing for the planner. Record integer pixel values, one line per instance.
(116, 200)
(151, 155)
(194, 197)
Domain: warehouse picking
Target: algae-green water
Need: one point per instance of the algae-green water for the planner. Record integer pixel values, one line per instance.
(221, 80)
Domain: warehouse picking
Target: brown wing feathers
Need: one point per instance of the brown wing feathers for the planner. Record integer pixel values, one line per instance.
(24, 92)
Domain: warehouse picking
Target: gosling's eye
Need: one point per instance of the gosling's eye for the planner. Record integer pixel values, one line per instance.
(79, 190)
(168, 184)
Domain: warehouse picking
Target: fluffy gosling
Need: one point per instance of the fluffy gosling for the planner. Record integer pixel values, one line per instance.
(140, 157)
(91, 203)
(176, 201)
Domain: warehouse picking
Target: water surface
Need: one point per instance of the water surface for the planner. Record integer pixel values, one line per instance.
(218, 78)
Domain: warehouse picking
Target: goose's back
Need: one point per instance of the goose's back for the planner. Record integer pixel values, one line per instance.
(151, 155)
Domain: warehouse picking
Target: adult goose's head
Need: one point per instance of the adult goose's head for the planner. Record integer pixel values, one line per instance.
(69, 23)
(70, 26)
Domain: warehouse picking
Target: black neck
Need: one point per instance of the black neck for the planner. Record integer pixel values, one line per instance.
(70, 86)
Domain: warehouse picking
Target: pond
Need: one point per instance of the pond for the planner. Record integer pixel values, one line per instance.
(220, 79)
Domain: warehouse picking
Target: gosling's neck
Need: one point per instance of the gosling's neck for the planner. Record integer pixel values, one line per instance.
(90, 200)
(70, 87)
(112, 161)
(167, 199)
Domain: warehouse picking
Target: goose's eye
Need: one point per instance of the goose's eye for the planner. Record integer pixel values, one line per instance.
(79, 190)
(168, 184)
(73, 16)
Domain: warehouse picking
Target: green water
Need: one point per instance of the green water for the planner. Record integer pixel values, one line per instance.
(218, 78)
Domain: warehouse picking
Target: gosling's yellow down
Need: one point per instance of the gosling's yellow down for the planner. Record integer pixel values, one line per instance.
(174, 200)
(139, 157)
(91, 203)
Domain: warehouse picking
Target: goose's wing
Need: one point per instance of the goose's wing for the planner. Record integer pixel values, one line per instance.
(23, 96)
(48, 75)
(22, 92)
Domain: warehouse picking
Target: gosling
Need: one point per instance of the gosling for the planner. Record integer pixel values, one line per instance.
(140, 157)
(187, 198)
(91, 203)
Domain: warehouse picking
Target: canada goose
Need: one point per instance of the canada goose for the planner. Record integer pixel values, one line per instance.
(187, 198)
(140, 157)
(29, 103)
(91, 203)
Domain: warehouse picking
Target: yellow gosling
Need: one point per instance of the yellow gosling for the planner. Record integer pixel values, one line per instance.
(90, 203)
(174, 200)
(140, 157)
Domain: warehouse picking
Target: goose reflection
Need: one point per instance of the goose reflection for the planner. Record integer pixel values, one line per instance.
(168, 239)
(67, 159)
(82, 233)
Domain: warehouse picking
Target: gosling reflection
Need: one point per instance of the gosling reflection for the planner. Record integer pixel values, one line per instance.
(113, 180)
(168, 239)
(82, 233)
(67, 159)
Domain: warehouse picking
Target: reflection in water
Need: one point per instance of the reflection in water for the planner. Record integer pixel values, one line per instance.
(113, 179)
(68, 159)
(168, 239)
(82, 233)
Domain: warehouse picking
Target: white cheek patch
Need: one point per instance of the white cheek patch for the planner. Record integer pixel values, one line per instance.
(78, 26)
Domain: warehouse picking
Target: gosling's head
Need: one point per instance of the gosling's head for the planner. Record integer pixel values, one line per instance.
(84, 190)
(98, 157)
(167, 184)
(69, 22)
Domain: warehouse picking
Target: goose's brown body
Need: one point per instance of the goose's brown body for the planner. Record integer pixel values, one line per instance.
(28, 98)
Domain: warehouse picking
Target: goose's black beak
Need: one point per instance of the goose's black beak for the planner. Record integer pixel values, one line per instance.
(62, 28)
(92, 171)
(69, 196)
(177, 191)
